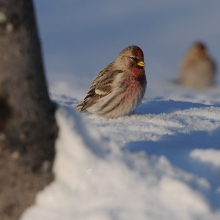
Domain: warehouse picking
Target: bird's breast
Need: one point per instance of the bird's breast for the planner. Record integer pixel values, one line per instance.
(136, 84)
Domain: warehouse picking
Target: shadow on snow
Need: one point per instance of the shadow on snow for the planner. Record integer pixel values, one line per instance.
(177, 148)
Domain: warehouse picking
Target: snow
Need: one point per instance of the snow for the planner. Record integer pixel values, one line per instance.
(97, 180)
(163, 160)
(210, 155)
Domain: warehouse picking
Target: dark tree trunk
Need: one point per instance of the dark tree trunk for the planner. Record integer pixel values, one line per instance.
(27, 124)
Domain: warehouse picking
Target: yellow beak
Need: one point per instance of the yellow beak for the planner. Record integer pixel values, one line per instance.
(141, 63)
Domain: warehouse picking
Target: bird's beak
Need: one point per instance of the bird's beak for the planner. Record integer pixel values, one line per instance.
(140, 63)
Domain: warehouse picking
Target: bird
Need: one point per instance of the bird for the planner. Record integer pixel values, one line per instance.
(119, 88)
(198, 69)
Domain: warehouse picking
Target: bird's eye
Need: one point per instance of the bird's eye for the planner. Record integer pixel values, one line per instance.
(134, 58)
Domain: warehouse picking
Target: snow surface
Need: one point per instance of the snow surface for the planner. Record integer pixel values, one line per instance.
(162, 161)
(95, 179)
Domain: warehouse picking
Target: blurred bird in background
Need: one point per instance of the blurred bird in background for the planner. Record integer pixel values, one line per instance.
(197, 70)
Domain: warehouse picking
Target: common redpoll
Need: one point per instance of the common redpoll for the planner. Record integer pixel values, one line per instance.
(119, 87)
(197, 70)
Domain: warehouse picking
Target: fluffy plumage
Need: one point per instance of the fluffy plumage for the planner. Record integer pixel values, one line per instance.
(119, 87)
(197, 69)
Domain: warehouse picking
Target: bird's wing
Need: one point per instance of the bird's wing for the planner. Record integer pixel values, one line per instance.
(101, 86)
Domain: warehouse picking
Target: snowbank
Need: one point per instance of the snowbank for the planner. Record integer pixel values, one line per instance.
(96, 180)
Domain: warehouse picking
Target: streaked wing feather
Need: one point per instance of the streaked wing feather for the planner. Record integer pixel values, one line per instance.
(101, 86)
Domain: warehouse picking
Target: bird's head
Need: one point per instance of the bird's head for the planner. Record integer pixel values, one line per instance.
(132, 57)
(199, 50)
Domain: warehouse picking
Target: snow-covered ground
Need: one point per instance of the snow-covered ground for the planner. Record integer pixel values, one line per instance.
(162, 161)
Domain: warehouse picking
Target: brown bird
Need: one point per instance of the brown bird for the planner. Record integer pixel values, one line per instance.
(119, 87)
(197, 69)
